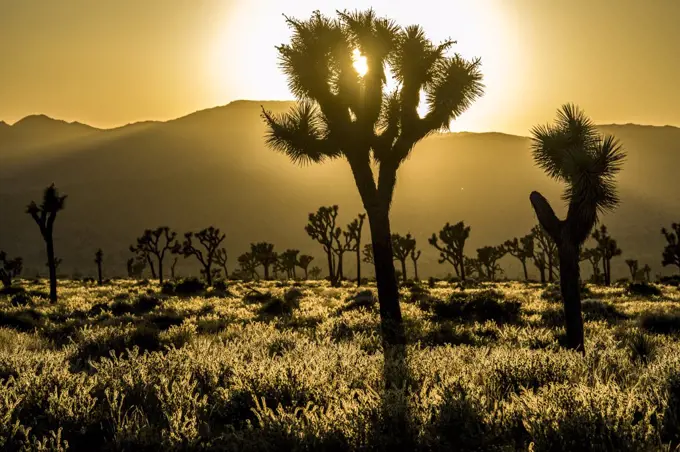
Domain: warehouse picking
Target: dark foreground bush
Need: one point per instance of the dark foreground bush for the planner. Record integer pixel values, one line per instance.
(279, 306)
(365, 299)
(189, 287)
(643, 289)
(475, 307)
(661, 322)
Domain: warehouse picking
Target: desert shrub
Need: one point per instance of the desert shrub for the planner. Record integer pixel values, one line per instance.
(478, 306)
(21, 299)
(11, 290)
(673, 280)
(661, 322)
(189, 287)
(98, 308)
(293, 295)
(365, 299)
(257, 297)
(641, 347)
(145, 303)
(22, 320)
(596, 310)
(39, 294)
(643, 289)
(165, 320)
(120, 307)
(168, 288)
(220, 285)
(279, 307)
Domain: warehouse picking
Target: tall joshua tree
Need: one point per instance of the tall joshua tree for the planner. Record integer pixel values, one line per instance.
(633, 268)
(249, 263)
(9, 268)
(415, 255)
(98, 259)
(221, 260)
(206, 250)
(488, 257)
(671, 253)
(402, 245)
(341, 247)
(573, 152)
(157, 243)
(44, 216)
(264, 253)
(453, 239)
(321, 227)
(345, 112)
(289, 260)
(522, 249)
(608, 249)
(303, 262)
(354, 231)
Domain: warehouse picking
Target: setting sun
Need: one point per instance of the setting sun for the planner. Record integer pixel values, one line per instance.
(360, 64)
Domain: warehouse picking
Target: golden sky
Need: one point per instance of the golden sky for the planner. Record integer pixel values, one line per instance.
(111, 62)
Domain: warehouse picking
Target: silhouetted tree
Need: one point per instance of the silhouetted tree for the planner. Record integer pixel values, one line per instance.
(453, 239)
(344, 114)
(321, 227)
(647, 270)
(157, 243)
(415, 255)
(522, 249)
(545, 254)
(135, 266)
(173, 267)
(473, 266)
(264, 254)
(249, 263)
(9, 268)
(44, 216)
(594, 256)
(402, 247)
(608, 249)
(341, 247)
(289, 260)
(573, 152)
(354, 231)
(633, 268)
(221, 260)
(303, 262)
(205, 251)
(315, 272)
(98, 259)
(488, 257)
(368, 254)
(671, 253)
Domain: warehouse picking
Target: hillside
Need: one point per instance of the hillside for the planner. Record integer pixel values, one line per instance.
(212, 168)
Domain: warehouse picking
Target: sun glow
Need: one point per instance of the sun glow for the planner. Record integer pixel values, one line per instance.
(359, 62)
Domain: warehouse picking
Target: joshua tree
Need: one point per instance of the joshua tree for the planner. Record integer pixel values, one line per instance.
(321, 227)
(44, 216)
(265, 255)
(608, 249)
(473, 265)
(354, 231)
(249, 263)
(647, 270)
(593, 256)
(205, 251)
(9, 269)
(347, 113)
(573, 152)
(488, 257)
(545, 254)
(157, 243)
(402, 247)
(221, 260)
(135, 266)
(315, 272)
(341, 247)
(303, 262)
(671, 253)
(289, 260)
(633, 267)
(368, 254)
(453, 239)
(173, 268)
(415, 255)
(98, 259)
(522, 249)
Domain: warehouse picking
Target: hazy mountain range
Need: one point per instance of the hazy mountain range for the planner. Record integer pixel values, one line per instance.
(212, 168)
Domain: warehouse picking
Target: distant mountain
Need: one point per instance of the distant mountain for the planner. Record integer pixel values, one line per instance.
(212, 168)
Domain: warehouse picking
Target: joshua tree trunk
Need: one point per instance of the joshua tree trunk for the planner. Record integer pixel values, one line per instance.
(358, 265)
(541, 270)
(52, 265)
(100, 280)
(403, 270)
(462, 267)
(570, 285)
(208, 275)
(551, 275)
(331, 270)
(266, 272)
(524, 267)
(339, 276)
(415, 270)
(151, 267)
(160, 271)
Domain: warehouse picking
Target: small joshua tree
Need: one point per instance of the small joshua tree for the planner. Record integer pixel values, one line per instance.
(249, 263)
(647, 270)
(402, 247)
(573, 152)
(415, 255)
(671, 253)
(315, 272)
(368, 254)
(473, 266)
(341, 247)
(522, 249)
(136, 266)
(303, 262)
(157, 243)
(451, 250)
(289, 260)
(44, 216)
(265, 255)
(98, 259)
(173, 268)
(488, 257)
(9, 268)
(594, 256)
(221, 260)
(608, 249)
(545, 254)
(322, 227)
(354, 231)
(633, 268)
(205, 251)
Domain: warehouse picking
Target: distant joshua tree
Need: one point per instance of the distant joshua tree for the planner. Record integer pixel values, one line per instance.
(594, 256)
(545, 254)
(341, 247)
(367, 253)
(205, 251)
(265, 255)
(452, 250)
(354, 231)
(608, 249)
(633, 268)
(402, 247)
(344, 113)
(249, 263)
(98, 259)
(473, 266)
(157, 243)
(322, 227)
(488, 257)
(671, 253)
(315, 272)
(415, 255)
(173, 268)
(647, 271)
(573, 152)
(136, 266)
(44, 216)
(522, 249)
(9, 268)
(289, 260)
(303, 262)
(221, 260)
